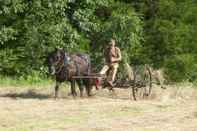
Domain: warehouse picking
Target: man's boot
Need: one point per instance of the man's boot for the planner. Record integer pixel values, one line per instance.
(111, 84)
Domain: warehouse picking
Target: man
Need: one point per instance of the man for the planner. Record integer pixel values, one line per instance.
(112, 56)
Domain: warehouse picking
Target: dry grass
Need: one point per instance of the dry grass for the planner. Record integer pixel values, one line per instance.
(173, 109)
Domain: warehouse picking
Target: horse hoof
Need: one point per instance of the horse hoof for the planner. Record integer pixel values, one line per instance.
(55, 98)
(146, 94)
(111, 89)
(69, 94)
(91, 95)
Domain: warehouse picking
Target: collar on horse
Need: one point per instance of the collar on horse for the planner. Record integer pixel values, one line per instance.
(66, 60)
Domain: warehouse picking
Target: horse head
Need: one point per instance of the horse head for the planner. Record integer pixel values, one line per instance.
(55, 60)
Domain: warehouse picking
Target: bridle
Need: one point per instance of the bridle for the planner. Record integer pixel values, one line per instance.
(60, 63)
(59, 66)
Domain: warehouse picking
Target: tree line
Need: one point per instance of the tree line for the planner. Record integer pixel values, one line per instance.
(161, 33)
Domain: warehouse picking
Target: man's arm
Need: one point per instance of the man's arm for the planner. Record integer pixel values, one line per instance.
(119, 55)
(119, 58)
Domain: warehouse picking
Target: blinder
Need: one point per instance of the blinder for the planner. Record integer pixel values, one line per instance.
(66, 59)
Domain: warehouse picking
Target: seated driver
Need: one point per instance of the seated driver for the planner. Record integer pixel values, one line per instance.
(112, 57)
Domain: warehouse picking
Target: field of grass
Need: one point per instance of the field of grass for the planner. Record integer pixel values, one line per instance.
(30, 81)
(34, 109)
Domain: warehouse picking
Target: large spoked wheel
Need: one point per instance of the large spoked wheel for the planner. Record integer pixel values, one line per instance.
(142, 89)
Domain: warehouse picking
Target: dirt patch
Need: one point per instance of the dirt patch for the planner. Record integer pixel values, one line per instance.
(173, 109)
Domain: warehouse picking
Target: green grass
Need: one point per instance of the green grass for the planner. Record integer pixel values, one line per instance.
(29, 81)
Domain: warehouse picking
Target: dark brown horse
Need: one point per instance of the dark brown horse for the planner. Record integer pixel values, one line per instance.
(64, 66)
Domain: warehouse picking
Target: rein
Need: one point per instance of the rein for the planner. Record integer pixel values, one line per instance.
(59, 67)
(62, 63)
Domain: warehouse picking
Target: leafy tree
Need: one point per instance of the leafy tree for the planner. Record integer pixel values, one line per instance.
(158, 32)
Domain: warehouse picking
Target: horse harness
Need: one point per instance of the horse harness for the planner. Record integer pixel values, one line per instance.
(67, 60)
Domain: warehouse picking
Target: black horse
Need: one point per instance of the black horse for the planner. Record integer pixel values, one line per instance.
(64, 66)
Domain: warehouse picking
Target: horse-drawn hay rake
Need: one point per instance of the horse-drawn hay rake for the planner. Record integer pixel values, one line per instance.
(73, 67)
(141, 87)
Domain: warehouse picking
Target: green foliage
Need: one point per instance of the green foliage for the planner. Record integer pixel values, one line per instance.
(6, 34)
(34, 79)
(182, 67)
(125, 26)
(38, 27)
(169, 36)
(160, 32)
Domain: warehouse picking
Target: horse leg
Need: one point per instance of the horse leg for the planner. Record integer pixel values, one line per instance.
(73, 91)
(80, 87)
(111, 88)
(57, 89)
(88, 86)
(88, 90)
(81, 90)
